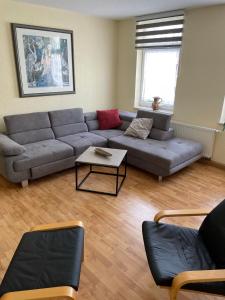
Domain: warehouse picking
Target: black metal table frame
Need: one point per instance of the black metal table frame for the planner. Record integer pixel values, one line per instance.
(91, 171)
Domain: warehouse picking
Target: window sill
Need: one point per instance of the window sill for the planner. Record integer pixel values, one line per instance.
(164, 111)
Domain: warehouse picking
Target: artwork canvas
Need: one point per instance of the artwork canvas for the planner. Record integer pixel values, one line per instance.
(44, 60)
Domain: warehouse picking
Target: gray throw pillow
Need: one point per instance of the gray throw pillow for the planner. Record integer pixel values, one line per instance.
(140, 128)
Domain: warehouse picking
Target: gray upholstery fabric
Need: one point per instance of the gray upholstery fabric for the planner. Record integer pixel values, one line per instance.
(8, 147)
(124, 125)
(109, 133)
(90, 116)
(81, 141)
(69, 129)
(7, 168)
(42, 153)
(52, 167)
(139, 128)
(29, 128)
(161, 135)
(26, 122)
(127, 116)
(92, 125)
(153, 168)
(160, 121)
(91, 121)
(67, 121)
(32, 136)
(166, 154)
(66, 116)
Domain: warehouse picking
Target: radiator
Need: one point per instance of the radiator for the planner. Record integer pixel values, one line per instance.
(205, 136)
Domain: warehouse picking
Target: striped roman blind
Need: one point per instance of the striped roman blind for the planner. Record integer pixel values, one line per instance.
(160, 30)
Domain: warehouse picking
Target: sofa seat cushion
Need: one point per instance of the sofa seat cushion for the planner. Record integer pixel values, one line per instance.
(172, 249)
(81, 141)
(109, 133)
(166, 154)
(42, 153)
(45, 259)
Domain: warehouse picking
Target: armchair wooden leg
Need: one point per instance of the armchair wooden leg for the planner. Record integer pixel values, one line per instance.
(173, 293)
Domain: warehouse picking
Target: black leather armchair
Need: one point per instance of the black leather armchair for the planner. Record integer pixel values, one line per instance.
(46, 264)
(181, 257)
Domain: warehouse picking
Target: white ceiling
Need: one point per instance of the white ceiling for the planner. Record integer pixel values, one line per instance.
(120, 9)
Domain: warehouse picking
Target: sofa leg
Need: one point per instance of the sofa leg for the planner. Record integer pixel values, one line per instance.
(160, 178)
(24, 183)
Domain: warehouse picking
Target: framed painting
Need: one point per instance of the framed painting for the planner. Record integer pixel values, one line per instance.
(44, 60)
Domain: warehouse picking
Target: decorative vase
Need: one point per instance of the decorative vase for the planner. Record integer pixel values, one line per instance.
(156, 102)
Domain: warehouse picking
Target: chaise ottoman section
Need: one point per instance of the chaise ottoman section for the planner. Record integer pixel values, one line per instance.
(163, 155)
(43, 152)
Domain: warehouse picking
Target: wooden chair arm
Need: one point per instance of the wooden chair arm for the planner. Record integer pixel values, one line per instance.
(181, 213)
(56, 293)
(53, 226)
(195, 277)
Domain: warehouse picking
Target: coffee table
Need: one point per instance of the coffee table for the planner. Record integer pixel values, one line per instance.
(89, 157)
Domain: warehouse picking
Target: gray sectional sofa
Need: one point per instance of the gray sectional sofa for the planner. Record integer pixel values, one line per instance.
(38, 144)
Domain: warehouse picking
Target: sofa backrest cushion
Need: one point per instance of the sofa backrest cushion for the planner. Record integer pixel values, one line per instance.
(91, 120)
(160, 121)
(93, 124)
(161, 135)
(67, 121)
(29, 128)
(212, 231)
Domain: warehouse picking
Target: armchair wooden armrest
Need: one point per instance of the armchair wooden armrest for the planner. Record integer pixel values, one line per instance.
(181, 213)
(56, 293)
(195, 277)
(53, 226)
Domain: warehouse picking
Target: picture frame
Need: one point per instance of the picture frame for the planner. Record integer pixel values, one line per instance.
(44, 60)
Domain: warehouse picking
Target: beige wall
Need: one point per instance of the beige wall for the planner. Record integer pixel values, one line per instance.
(126, 67)
(201, 81)
(95, 48)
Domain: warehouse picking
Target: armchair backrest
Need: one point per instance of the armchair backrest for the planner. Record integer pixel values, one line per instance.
(212, 231)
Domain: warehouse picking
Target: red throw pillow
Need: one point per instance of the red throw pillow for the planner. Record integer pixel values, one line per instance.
(108, 119)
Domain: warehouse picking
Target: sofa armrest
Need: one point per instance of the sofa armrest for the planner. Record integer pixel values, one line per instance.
(8, 147)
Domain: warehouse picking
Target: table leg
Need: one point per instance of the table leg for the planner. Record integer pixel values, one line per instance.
(117, 179)
(76, 172)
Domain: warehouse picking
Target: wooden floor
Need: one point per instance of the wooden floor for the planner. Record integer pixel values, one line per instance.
(115, 266)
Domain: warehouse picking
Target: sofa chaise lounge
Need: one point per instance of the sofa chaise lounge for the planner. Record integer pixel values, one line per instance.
(42, 143)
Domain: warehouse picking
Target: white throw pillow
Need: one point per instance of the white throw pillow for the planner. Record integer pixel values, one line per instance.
(140, 128)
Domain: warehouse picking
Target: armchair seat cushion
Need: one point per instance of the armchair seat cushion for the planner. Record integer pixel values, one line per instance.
(45, 259)
(172, 249)
(43, 152)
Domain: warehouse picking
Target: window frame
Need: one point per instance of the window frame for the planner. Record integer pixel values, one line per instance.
(139, 85)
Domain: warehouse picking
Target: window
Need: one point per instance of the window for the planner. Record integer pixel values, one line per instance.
(158, 41)
(159, 68)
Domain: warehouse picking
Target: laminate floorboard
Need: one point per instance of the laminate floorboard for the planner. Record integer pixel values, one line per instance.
(115, 266)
